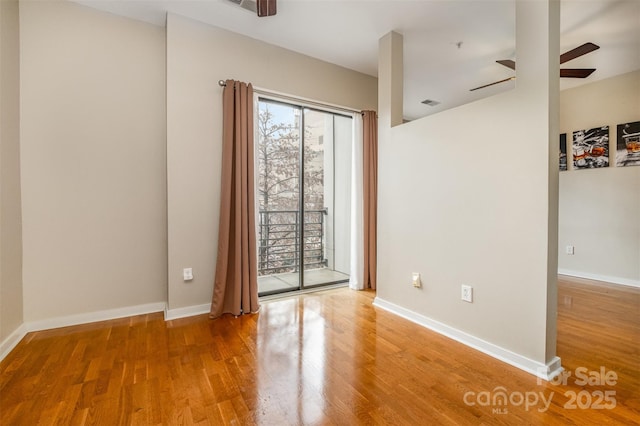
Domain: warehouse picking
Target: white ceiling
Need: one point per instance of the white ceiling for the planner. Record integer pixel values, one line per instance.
(346, 32)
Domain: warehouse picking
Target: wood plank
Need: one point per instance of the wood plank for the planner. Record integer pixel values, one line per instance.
(319, 358)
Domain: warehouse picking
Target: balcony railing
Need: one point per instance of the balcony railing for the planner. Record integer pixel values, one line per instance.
(279, 241)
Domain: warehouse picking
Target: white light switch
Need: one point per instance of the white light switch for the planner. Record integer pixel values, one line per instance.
(416, 280)
(467, 293)
(187, 274)
(569, 249)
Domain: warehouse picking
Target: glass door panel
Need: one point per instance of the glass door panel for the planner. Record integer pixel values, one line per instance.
(278, 196)
(303, 235)
(327, 174)
(343, 145)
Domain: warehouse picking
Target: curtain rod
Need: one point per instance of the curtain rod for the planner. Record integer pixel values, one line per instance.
(309, 102)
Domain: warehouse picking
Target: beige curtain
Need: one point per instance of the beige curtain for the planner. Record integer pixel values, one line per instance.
(235, 289)
(370, 188)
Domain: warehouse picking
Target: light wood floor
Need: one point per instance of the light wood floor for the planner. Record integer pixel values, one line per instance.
(327, 358)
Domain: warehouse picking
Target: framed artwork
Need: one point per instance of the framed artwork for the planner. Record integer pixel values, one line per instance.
(591, 148)
(628, 144)
(563, 152)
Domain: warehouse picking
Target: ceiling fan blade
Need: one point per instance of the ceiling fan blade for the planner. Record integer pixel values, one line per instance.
(508, 63)
(576, 72)
(578, 51)
(266, 8)
(492, 84)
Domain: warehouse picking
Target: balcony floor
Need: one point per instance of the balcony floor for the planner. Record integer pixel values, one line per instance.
(288, 281)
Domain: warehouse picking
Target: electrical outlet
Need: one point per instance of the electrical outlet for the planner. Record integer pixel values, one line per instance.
(416, 280)
(467, 293)
(187, 274)
(569, 249)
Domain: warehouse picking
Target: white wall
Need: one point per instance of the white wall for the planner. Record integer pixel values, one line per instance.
(600, 208)
(10, 211)
(197, 57)
(93, 160)
(457, 205)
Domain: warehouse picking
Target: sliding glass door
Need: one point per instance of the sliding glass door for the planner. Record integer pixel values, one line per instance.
(303, 196)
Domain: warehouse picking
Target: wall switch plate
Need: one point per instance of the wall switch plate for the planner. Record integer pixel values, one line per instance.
(187, 274)
(416, 280)
(467, 293)
(569, 249)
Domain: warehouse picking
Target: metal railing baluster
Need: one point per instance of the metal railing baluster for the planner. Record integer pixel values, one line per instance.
(279, 241)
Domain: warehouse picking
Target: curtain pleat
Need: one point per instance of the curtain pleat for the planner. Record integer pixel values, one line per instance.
(370, 189)
(235, 288)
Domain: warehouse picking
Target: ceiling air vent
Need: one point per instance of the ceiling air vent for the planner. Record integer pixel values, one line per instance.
(430, 102)
(246, 4)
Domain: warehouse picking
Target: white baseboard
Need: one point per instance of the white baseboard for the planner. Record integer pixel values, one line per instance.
(188, 311)
(10, 342)
(598, 277)
(543, 371)
(89, 317)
